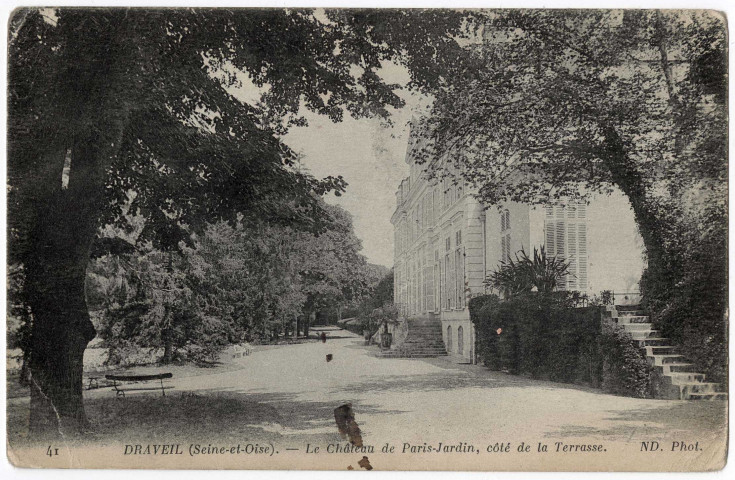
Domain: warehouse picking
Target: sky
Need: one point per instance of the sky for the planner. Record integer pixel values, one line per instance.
(368, 153)
(371, 158)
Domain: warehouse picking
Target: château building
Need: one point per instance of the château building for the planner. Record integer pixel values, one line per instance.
(447, 243)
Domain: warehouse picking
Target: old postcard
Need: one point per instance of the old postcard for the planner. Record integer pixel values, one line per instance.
(367, 239)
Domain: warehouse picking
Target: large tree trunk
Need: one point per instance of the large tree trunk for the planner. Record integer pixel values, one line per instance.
(61, 331)
(64, 227)
(168, 347)
(651, 222)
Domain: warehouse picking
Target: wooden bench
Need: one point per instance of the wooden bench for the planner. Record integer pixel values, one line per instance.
(92, 382)
(239, 351)
(120, 387)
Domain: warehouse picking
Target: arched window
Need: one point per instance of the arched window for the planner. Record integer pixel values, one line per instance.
(460, 340)
(449, 338)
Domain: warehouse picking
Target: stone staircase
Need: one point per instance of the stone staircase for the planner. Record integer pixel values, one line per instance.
(674, 377)
(424, 339)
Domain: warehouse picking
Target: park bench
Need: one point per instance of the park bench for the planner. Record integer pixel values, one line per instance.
(239, 351)
(126, 383)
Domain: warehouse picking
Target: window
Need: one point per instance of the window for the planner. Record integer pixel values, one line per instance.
(417, 287)
(427, 269)
(460, 340)
(448, 281)
(449, 339)
(437, 281)
(459, 280)
(430, 209)
(566, 237)
(505, 238)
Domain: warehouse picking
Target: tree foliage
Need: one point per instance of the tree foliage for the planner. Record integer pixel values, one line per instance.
(115, 111)
(561, 104)
(525, 274)
(249, 282)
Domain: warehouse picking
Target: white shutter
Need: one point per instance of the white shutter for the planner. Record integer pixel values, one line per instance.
(560, 240)
(582, 254)
(561, 245)
(572, 254)
(550, 236)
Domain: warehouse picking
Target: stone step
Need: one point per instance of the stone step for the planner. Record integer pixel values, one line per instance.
(661, 355)
(413, 354)
(707, 396)
(652, 341)
(421, 345)
(432, 344)
(633, 319)
(682, 378)
(677, 367)
(417, 354)
(698, 387)
(644, 334)
(659, 360)
(637, 326)
(660, 350)
(423, 341)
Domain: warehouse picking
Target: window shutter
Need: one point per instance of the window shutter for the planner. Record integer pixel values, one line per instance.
(561, 245)
(550, 236)
(507, 246)
(572, 254)
(559, 239)
(582, 253)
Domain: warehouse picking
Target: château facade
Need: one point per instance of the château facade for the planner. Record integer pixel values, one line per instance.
(446, 243)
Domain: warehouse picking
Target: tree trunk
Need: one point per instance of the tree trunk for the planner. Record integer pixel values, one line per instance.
(306, 322)
(651, 222)
(168, 348)
(59, 244)
(61, 331)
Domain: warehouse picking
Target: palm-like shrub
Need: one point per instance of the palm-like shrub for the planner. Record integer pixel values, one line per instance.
(525, 274)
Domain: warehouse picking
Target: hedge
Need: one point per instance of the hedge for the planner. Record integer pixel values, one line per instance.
(546, 337)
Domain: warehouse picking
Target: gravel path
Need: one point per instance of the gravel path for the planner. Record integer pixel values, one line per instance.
(291, 392)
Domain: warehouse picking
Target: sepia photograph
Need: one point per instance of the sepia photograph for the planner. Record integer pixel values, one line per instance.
(390, 239)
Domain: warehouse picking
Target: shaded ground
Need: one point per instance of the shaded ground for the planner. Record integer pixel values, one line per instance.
(287, 395)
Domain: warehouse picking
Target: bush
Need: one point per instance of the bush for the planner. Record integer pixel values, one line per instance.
(625, 370)
(688, 300)
(545, 336)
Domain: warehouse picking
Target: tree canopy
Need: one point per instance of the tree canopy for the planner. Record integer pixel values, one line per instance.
(561, 104)
(120, 111)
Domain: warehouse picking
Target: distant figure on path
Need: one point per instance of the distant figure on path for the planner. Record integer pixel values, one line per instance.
(324, 337)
